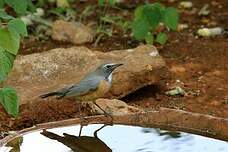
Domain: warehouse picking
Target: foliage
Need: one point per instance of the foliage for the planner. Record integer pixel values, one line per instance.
(9, 99)
(103, 3)
(11, 30)
(118, 21)
(64, 13)
(147, 19)
(19, 6)
(86, 12)
(106, 21)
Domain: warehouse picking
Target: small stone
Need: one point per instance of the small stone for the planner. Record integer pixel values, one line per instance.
(39, 12)
(214, 3)
(62, 3)
(186, 4)
(205, 20)
(113, 107)
(175, 91)
(76, 33)
(190, 12)
(204, 11)
(177, 69)
(208, 32)
(220, 6)
(182, 27)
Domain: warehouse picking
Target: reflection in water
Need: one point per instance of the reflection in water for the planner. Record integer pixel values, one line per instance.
(167, 134)
(80, 143)
(116, 138)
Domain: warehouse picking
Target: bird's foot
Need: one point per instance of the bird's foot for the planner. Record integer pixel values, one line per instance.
(106, 114)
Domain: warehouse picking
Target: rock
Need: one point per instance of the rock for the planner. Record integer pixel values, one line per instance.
(186, 4)
(178, 69)
(204, 11)
(38, 73)
(182, 27)
(176, 91)
(75, 33)
(39, 12)
(113, 107)
(62, 3)
(210, 32)
(32, 18)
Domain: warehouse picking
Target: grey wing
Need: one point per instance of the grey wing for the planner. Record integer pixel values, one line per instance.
(83, 87)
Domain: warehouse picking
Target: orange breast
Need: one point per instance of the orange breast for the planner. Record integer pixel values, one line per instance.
(103, 88)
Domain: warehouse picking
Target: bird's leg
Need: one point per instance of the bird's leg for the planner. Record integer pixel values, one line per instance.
(96, 131)
(105, 113)
(80, 131)
(82, 119)
(80, 110)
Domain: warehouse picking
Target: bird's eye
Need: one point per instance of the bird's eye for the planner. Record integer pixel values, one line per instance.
(108, 66)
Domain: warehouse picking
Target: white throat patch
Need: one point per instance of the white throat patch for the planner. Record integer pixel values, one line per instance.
(110, 78)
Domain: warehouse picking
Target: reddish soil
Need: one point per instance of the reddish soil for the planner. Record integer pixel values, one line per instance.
(198, 65)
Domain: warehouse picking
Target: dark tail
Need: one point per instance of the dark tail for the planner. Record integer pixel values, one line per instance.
(50, 94)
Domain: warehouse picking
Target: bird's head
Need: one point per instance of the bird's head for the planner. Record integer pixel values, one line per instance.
(107, 68)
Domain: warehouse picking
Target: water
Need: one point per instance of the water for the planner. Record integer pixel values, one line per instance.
(117, 138)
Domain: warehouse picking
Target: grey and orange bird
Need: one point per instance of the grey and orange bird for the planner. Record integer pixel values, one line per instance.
(93, 86)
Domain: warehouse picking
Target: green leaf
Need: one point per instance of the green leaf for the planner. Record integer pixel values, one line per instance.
(10, 100)
(140, 28)
(101, 3)
(9, 41)
(112, 2)
(31, 6)
(170, 18)
(139, 12)
(41, 3)
(18, 26)
(149, 38)
(57, 11)
(161, 38)
(153, 15)
(20, 6)
(6, 63)
(2, 3)
(4, 15)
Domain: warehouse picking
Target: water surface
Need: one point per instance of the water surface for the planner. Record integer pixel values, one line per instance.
(116, 138)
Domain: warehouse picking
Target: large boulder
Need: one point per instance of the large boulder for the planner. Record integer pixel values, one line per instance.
(40, 73)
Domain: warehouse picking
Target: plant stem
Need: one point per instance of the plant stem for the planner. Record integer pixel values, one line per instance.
(98, 39)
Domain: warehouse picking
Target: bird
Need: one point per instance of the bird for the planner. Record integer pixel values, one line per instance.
(80, 143)
(93, 86)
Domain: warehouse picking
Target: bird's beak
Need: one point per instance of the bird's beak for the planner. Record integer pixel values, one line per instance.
(117, 65)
